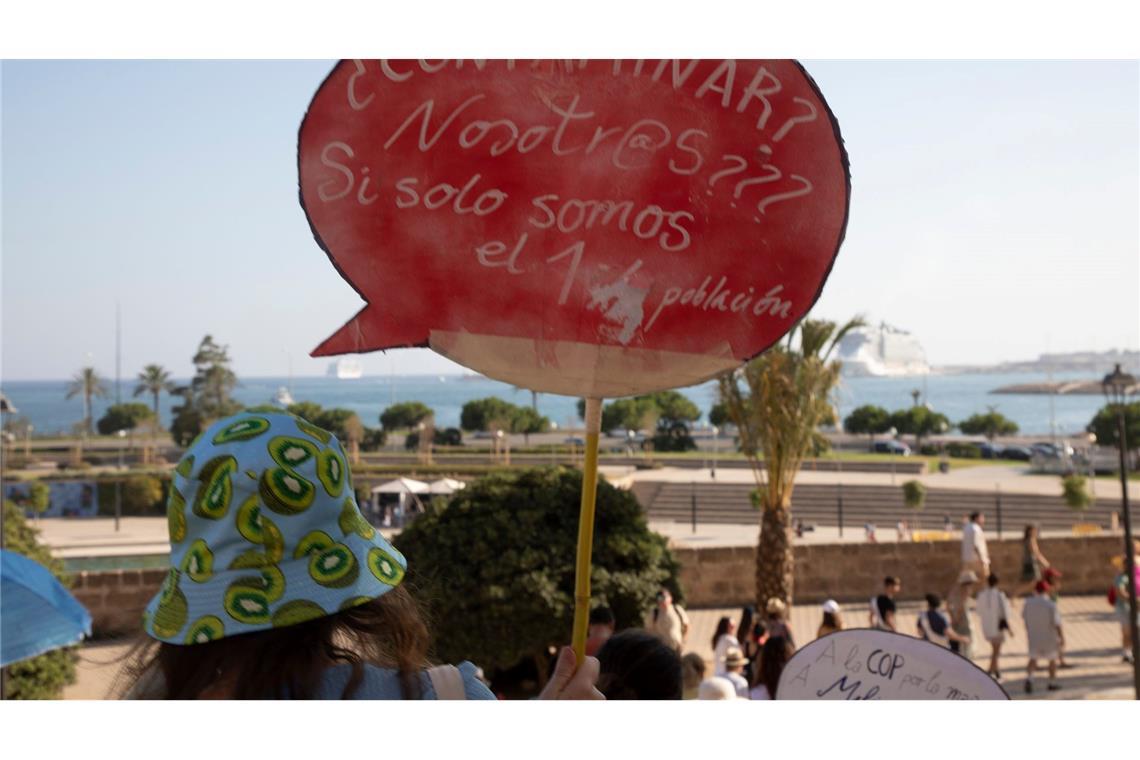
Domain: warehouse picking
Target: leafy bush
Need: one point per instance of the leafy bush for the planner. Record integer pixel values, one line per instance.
(446, 437)
(45, 676)
(373, 440)
(914, 494)
(928, 450)
(142, 495)
(1074, 490)
(123, 417)
(497, 563)
(964, 450)
(674, 438)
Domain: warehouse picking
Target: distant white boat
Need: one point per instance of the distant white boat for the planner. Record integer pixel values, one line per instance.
(882, 351)
(346, 368)
(283, 397)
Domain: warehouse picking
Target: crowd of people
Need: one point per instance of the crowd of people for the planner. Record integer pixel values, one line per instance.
(344, 625)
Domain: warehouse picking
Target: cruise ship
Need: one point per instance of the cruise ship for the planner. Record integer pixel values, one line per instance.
(346, 368)
(882, 351)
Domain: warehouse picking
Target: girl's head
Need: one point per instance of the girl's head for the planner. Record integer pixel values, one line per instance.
(723, 626)
(272, 566)
(635, 664)
(773, 657)
(776, 609)
(1030, 532)
(389, 631)
(747, 616)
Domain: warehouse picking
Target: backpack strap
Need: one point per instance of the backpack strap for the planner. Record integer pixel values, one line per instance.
(447, 682)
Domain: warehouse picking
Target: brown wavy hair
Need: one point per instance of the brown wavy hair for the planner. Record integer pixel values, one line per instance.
(390, 631)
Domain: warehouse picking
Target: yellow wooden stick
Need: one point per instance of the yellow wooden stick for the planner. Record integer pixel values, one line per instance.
(586, 528)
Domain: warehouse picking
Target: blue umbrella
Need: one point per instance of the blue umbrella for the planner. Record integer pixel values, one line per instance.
(37, 614)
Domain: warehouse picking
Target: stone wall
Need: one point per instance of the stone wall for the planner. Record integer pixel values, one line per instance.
(725, 576)
(852, 572)
(116, 598)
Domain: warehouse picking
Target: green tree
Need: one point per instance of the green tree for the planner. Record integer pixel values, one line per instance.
(404, 415)
(155, 380)
(673, 407)
(1106, 427)
(41, 677)
(718, 415)
(497, 561)
(486, 414)
(868, 420)
(991, 424)
(920, 422)
(142, 494)
(526, 420)
(39, 497)
(207, 398)
(783, 401)
(87, 383)
(307, 410)
(126, 416)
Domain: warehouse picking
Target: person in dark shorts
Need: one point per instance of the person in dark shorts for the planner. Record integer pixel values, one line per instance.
(883, 606)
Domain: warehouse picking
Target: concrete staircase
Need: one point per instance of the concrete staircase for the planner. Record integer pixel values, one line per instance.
(882, 505)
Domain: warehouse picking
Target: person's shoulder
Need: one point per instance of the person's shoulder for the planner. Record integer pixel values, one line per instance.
(473, 687)
(384, 683)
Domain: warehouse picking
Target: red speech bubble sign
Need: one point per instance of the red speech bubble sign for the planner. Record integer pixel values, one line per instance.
(591, 228)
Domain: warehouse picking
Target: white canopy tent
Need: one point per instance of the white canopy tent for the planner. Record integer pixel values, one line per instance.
(445, 486)
(405, 489)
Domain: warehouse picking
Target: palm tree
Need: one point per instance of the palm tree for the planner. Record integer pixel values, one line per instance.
(154, 380)
(88, 383)
(778, 415)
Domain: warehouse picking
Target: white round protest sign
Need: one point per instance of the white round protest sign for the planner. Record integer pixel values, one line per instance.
(866, 663)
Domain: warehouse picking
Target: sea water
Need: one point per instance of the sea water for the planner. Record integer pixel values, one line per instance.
(956, 396)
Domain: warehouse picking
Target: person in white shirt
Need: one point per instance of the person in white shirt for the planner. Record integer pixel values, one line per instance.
(668, 621)
(974, 554)
(734, 663)
(1043, 628)
(716, 688)
(723, 639)
(994, 610)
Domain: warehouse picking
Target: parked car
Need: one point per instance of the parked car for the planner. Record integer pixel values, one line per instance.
(574, 440)
(1018, 453)
(1052, 450)
(891, 447)
(989, 450)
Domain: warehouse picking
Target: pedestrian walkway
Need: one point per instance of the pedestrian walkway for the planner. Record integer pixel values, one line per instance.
(1092, 638)
(1092, 645)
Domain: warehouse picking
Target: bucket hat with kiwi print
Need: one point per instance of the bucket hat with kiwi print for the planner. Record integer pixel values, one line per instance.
(265, 532)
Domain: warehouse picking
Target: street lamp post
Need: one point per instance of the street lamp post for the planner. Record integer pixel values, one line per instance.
(1116, 388)
(119, 482)
(892, 433)
(716, 448)
(28, 441)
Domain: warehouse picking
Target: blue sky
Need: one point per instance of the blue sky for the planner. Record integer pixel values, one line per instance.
(994, 214)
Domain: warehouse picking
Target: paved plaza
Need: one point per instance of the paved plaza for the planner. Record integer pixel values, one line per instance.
(1092, 638)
